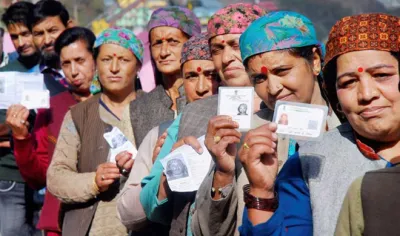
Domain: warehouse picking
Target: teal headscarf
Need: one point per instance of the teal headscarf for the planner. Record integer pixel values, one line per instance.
(276, 31)
(122, 37)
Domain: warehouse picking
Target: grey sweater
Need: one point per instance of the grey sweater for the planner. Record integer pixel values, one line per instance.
(152, 109)
(329, 167)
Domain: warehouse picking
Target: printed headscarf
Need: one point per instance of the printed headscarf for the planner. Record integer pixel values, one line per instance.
(276, 31)
(122, 37)
(196, 48)
(376, 31)
(176, 17)
(233, 19)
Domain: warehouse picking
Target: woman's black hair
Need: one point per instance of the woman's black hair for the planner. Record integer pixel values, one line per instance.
(73, 35)
(330, 75)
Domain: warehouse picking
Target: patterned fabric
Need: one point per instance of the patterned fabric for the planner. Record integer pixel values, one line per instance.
(196, 48)
(375, 31)
(122, 37)
(233, 19)
(58, 75)
(276, 31)
(365, 149)
(176, 17)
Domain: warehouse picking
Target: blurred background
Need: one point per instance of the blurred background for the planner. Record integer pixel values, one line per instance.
(134, 14)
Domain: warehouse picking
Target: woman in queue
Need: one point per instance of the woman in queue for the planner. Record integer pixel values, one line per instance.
(83, 173)
(362, 77)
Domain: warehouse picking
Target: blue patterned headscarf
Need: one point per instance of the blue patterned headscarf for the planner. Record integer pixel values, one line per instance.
(122, 37)
(276, 31)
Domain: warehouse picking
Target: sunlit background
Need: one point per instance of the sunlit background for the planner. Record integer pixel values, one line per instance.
(134, 14)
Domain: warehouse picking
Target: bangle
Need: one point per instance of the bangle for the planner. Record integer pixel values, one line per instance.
(95, 187)
(262, 204)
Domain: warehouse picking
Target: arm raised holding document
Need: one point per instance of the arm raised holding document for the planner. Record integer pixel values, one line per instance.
(221, 140)
(260, 162)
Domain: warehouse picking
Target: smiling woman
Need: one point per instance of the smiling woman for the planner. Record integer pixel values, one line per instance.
(362, 78)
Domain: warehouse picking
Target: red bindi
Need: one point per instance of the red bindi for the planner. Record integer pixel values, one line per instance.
(264, 70)
(223, 41)
(163, 39)
(360, 69)
(198, 69)
(115, 55)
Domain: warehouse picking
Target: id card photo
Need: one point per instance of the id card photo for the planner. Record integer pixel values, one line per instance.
(237, 102)
(300, 120)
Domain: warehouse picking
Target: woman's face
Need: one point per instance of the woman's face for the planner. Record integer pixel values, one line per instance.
(242, 109)
(117, 68)
(78, 66)
(277, 75)
(200, 79)
(368, 92)
(166, 47)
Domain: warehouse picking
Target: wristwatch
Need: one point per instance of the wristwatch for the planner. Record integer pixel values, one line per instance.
(262, 204)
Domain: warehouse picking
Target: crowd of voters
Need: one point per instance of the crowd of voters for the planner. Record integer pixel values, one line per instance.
(56, 173)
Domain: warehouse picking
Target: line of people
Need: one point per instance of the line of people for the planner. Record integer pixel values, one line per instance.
(259, 183)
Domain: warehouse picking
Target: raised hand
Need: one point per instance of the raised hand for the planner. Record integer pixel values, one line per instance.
(221, 140)
(259, 159)
(16, 118)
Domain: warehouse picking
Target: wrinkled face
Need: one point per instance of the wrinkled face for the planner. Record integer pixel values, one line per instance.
(117, 68)
(166, 47)
(45, 34)
(228, 61)
(78, 66)
(368, 91)
(277, 75)
(200, 79)
(22, 39)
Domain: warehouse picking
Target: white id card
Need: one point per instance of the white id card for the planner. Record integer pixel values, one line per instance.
(299, 120)
(35, 99)
(237, 102)
(119, 143)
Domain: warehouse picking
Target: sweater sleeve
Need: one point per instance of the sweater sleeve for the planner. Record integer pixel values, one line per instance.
(351, 218)
(159, 211)
(31, 154)
(294, 215)
(130, 210)
(215, 217)
(63, 179)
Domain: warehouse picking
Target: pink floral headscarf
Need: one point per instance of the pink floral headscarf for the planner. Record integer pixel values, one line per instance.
(233, 19)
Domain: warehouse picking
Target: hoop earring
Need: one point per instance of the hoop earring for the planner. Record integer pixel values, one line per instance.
(339, 108)
(95, 86)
